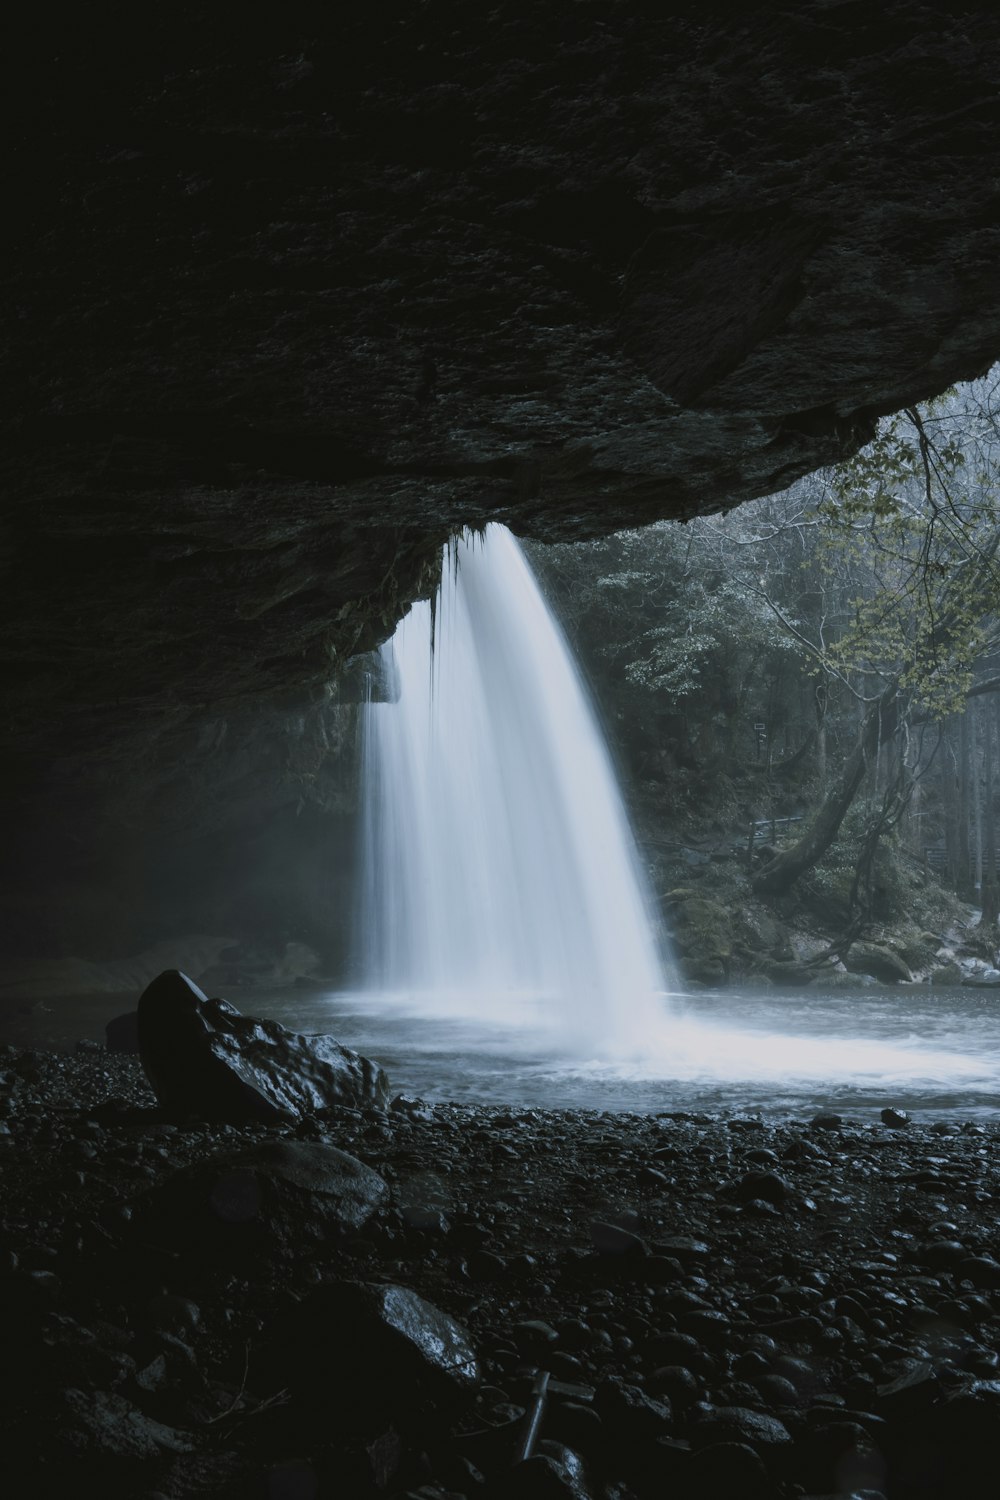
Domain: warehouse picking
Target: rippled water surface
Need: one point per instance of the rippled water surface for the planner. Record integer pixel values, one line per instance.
(933, 1052)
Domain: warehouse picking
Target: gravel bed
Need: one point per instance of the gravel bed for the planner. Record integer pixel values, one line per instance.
(724, 1306)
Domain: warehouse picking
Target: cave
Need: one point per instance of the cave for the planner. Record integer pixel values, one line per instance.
(293, 303)
(291, 309)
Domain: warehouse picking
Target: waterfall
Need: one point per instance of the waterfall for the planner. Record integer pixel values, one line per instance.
(499, 874)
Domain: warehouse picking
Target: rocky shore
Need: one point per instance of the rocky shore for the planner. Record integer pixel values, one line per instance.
(367, 1303)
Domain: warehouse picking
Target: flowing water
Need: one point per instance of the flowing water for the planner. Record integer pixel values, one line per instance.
(933, 1052)
(499, 876)
(507, 943)
(508, 950)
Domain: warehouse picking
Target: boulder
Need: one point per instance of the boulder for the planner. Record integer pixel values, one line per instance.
(382, 1351)
(879, 962)
(202, 1057)
(788, 973)
(703, 938)
(274, 1196)
(122, 1033)
(983, 979)
(946, 974)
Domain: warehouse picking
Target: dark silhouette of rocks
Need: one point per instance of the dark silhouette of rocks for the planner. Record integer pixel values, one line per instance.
(204, 1058)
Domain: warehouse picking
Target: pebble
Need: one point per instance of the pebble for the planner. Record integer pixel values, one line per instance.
(711, 1334)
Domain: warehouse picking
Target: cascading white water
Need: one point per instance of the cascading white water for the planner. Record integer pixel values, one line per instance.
(500, 883)
(499, 874)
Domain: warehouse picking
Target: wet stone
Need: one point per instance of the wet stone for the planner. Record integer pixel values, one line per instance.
(982, 1270)
(769, 1187)
(740, 1424)
(710, 1328)
(612, 1239)
(276, 1194)
(204, 1059)
(679, 1349)
(628, 1412)
(534, 1338)
(683, 1248)
(404, 1351)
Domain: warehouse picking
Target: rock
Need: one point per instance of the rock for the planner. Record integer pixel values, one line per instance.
(628, 1413)
(879, 962)
(895, 1119)
(104, 1425)
(280, 1194)
(377, 1350)
(740, 1424)
(679, 1349)
(703, 935)
(122, 1033)
(534, 1338)
(982, 1270)
(707, 1326)
(983, 979)
(204, 1058)
(676, 1384)
(771, 1187)
(611, 1239)
(788, 972)
(946, 974)
(683, 1248)
(554, 1472)
(726, 1470)
(486, 1265)
(174, 1314)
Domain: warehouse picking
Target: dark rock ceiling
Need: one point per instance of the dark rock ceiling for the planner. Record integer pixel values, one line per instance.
(291, 305)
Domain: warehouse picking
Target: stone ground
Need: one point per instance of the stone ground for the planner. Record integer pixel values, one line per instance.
(726, 1307)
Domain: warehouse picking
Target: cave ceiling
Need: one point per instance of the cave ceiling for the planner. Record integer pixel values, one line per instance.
(291, 304)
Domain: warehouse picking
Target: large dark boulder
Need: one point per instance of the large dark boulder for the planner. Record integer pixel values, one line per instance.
(204, 1058)
(121, 1034)
(383, 1351)
(281, 1195)
(878, 962)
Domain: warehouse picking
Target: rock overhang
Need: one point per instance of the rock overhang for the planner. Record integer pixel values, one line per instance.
(294, 308)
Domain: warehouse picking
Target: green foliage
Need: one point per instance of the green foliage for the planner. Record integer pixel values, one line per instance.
(909, 534)
(745, 651)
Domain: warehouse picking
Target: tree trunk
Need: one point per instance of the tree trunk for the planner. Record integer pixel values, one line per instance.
(821, 698)
(963, 883)
(976, 794)
(989, 896)
(880, 726)
(949, 802)
(989, 816)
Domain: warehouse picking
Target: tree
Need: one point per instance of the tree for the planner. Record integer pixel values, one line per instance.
(919, 628)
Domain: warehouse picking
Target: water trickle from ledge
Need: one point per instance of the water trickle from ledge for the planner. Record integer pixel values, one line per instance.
(499, 874)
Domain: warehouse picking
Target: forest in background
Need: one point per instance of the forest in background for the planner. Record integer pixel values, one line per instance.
(827, 658)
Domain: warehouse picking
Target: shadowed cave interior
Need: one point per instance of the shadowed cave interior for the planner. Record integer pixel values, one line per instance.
(290, 306)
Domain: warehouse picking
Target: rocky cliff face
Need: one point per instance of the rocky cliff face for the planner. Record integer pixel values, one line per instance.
(293, 305)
